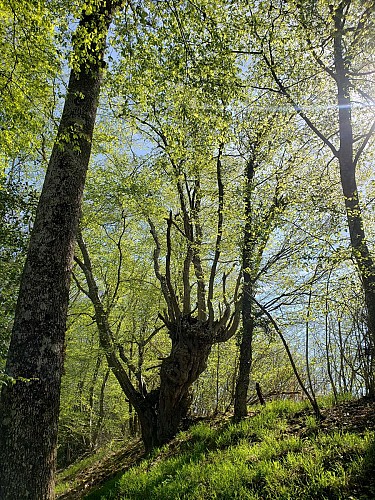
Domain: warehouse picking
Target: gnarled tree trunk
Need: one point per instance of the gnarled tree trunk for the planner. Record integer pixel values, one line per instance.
(191, 345)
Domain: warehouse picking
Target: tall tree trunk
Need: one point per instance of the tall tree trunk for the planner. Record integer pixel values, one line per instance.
(29, 407)
(246, 350)
(347, 163)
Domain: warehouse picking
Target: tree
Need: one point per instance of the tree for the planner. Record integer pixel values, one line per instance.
(338, 41)
(29, 406)
(261, 218)
(183, 123)
(29, 64)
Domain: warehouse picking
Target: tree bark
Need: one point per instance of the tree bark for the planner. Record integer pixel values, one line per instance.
(29, 407)
(347, 163)
(191, 345)
(246, 351)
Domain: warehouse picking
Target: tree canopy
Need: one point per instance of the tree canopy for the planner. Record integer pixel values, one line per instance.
(225, 228)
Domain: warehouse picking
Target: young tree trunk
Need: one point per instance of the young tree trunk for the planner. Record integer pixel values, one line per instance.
(29, 407)
(243, 379)
(246, 350)
(91, 400)
(101, 414)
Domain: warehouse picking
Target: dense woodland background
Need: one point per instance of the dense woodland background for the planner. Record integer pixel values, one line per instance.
(227, 233)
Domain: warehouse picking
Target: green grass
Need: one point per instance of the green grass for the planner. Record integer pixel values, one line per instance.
(256, 459)
(66, 478)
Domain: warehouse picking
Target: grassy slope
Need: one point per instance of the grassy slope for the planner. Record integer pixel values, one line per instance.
(279, 452)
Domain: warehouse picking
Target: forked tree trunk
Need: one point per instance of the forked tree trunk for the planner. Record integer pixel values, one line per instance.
(29, 407)
(160, 411)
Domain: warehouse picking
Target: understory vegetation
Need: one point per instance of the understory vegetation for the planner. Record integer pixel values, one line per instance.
(279, 452)
(187, 230)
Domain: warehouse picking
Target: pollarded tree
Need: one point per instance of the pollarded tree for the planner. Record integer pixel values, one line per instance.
(192, 322)
(176, 96)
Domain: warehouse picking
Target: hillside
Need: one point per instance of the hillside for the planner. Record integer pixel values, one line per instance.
(279, 452)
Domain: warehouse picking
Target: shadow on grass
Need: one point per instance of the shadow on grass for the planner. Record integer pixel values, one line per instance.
(363, 484)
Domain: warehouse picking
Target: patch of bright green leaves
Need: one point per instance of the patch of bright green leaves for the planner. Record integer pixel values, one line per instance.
(256, 459)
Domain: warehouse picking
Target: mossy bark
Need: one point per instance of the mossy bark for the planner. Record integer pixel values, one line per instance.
(29, 407)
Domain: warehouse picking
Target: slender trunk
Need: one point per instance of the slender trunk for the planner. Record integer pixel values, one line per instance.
(328, 342)
(307, 341)
(217, 379)
(246, 352)
(347, 162)
(260, 394)
(312, 400)
(342, 376)
(29, 407)
(101, 413)
(91, 400)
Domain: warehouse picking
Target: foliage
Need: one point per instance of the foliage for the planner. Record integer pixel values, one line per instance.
(186, 84)
(258, 458)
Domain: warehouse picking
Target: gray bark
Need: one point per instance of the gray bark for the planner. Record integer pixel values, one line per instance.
(29, 407)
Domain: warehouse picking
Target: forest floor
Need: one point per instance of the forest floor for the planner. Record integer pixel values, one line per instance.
(355, 417)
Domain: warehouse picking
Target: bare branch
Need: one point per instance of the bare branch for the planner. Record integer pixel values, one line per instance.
(297, 108)
(120, 259)
(364, 143)
(76, 281)
(219, 235)
(289, 354)
(105, 333)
